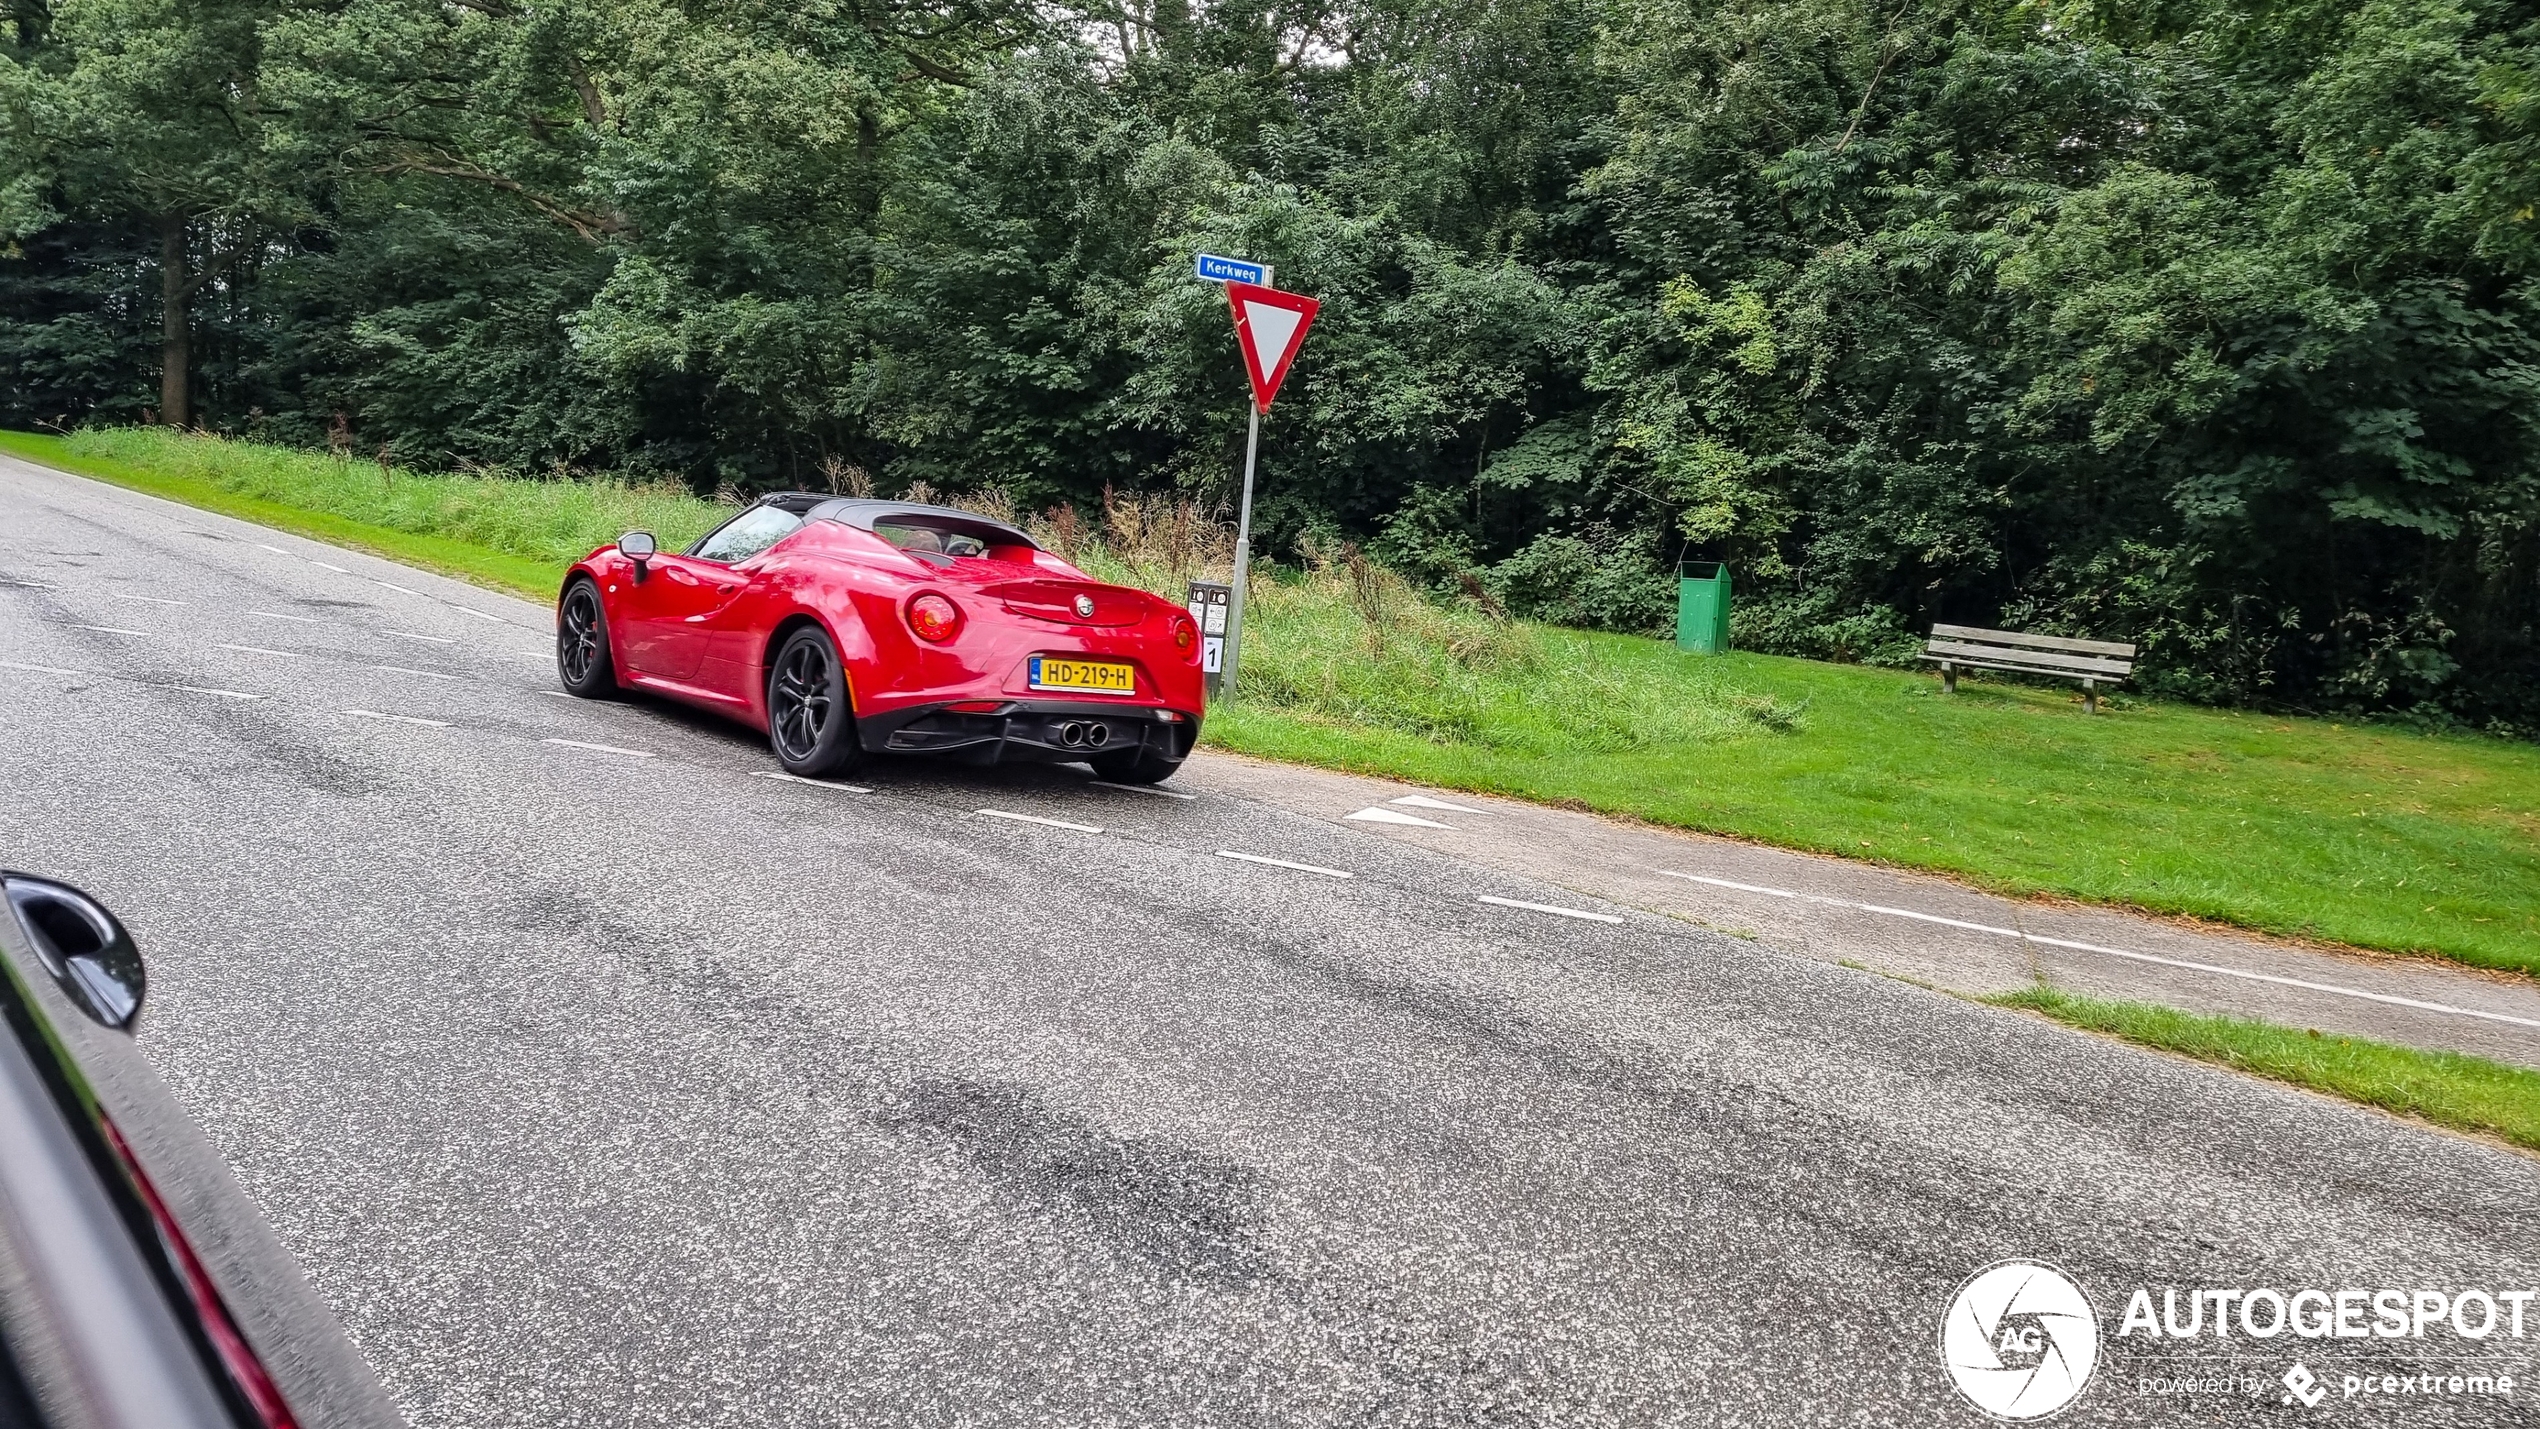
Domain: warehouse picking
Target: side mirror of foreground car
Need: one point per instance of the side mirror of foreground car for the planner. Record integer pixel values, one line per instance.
(637, 546)
(82, 945)
(139, 1288)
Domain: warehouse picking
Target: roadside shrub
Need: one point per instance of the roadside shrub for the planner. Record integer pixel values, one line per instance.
(1598, 581)
(1815, 626)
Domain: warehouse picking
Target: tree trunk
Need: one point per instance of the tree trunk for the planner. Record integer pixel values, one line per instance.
(176, 353)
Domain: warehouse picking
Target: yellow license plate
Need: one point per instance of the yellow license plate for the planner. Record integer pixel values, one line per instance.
(1095, 676)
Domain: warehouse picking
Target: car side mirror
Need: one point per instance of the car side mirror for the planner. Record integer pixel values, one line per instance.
(639, 547)
(82, 945)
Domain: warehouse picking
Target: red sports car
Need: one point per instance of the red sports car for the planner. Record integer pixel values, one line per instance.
(842, 625)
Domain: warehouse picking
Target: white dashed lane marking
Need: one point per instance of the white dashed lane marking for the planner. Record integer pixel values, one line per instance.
(1141, 789)
(277, 550)
(108, 629)
(1037, 819)
(146, 599)
(39, 669)
(260, 650)
(401, 719)
(1724, 883)
(210, 690)
(782, 776)
(601, 748)
(1283, 863)
(278, 615)
(321, 565)
(402, 670)
(410, 635)
(399, 589)
(26, 585)
(481, 615)
(1580, 913)
(2187, 964)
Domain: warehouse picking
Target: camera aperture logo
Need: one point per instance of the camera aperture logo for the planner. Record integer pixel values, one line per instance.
(2020, 1340)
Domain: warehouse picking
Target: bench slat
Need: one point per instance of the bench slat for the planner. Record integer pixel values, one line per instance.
(1962, 665)
(2041, 661)
(2035, 642)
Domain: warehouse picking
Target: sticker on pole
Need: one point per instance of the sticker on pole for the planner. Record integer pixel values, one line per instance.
(1269, 327)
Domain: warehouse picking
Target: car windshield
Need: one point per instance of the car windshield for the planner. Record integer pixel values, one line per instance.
(748, 534)
(920, 536)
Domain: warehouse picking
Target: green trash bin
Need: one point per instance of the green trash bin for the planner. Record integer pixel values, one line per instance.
(1702, 607)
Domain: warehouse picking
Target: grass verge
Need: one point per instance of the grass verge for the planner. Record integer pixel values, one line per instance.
(2446, 1088)
(2365, 835)
(508, 533)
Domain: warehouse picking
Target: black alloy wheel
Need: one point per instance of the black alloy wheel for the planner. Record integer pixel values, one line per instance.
(810, 723)
(582, 643)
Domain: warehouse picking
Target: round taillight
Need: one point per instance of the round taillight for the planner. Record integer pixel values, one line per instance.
(1185, 635)
(933, 618)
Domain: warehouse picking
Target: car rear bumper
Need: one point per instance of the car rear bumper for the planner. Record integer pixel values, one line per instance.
(1030, 731)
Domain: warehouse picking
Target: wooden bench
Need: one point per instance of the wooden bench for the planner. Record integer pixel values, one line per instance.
(1959, 647)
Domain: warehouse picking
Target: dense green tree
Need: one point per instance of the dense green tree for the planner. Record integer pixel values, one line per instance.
(2208, 323)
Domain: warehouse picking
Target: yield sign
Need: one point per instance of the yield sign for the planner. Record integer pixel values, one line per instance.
(1269, 326)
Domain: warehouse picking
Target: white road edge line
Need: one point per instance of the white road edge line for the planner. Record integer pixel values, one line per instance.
(109, 629)
(1548, 908)
(2333, 989)
(1141, 789)
(602, 748)
(401, 719)
(402, 670)
(278, 615)
(1283, 863)
(39, 669)
(1037, 819)
(1725, 883)
(260, 650)
(782, 775)
(410, 635)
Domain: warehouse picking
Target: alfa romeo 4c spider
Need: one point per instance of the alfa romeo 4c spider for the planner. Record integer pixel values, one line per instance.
(843, 626)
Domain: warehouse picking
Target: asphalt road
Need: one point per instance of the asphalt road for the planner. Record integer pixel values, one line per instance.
(598, 1078)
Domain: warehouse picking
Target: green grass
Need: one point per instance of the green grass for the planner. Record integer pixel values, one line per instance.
(510, 533)
(2359, 834)
(2466, 1093)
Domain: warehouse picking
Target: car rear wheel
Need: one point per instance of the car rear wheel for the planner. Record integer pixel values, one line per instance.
(582, 643)
(1143, 765)
(810, 724)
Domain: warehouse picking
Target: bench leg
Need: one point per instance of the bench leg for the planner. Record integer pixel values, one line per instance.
(1948, 678)
(2090, 697)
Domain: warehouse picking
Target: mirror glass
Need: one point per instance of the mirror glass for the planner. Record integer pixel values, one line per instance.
(82, 945)
(636, 545)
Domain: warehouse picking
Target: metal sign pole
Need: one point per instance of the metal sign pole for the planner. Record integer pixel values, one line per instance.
(1243, 559)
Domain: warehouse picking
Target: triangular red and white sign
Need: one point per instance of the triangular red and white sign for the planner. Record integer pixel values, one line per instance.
(1269, 327)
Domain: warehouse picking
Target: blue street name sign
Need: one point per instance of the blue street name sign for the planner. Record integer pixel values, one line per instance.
(1230, 270)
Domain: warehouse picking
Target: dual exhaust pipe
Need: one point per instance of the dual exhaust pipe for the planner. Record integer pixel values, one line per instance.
(1081, 734)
